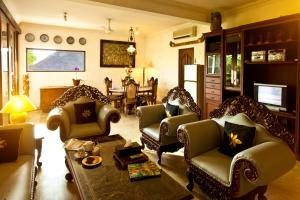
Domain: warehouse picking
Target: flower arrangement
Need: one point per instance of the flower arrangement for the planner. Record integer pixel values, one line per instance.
(128, 71)
(76, 81)
(76, 70)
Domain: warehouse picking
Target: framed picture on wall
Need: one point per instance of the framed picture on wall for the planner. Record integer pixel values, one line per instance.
(114, 54)
(51, 60)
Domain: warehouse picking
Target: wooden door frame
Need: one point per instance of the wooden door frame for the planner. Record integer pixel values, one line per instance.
(181, 69)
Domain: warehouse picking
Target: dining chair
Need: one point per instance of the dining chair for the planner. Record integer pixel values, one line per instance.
(116, 98)
(152, 95)
(130, 95)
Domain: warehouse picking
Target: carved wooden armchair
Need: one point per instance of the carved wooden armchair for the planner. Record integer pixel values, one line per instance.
(159, 131)
(63, 114)
(246, 174)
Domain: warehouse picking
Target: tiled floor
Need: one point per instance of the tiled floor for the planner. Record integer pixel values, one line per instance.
(53, 186)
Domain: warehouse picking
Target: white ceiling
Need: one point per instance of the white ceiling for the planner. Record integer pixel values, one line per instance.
(215, 4)
(92, 14)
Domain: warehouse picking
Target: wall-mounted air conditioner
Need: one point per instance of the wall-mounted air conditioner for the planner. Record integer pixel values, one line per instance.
(186, 32)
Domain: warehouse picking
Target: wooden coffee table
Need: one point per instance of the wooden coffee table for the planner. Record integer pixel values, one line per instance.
(108, 182)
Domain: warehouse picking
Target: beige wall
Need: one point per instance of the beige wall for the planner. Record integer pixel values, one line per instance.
(94, 75)
(164, 59)
(259, 11)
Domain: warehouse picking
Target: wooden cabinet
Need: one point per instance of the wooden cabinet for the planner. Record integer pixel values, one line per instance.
(265, 52)
(213, 71)
(50, 94)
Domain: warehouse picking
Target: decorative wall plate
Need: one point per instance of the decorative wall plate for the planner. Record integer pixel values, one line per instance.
(57, 39)
(44, 38)
(70, 40)
(82, 41)
(29, 37)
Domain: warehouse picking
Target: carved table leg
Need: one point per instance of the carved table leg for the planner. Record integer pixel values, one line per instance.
(261, 193)
(68, 176)
(38, 146)
(159, 153)
(189, 175)
(143, 144)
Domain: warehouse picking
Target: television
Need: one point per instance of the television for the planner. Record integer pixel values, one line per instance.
(273, 96)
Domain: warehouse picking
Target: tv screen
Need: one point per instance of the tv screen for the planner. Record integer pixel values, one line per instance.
(273, 95)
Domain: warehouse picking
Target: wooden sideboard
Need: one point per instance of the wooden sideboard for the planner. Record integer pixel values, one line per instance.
(50, 93)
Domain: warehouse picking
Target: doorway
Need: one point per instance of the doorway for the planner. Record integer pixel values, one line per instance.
(185, 57)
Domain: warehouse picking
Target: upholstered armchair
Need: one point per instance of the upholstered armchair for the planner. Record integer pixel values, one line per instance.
(63, 114)
(159, 131)
(246, 174)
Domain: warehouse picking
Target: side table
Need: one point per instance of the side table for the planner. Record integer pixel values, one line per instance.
(38, 147)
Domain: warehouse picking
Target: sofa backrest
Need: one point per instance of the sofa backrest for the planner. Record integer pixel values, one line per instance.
(179, 96)
(27, 142)
(261, 134)
(69, 107)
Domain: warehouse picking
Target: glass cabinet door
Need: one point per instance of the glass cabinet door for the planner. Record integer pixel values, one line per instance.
(213, 64)
(233, 61)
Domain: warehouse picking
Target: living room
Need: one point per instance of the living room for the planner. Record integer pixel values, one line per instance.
(85, 25)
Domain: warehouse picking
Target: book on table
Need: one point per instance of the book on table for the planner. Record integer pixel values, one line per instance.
(135, 158)
(138, 171)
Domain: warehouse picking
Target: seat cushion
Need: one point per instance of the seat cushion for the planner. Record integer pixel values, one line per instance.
(16, 178)
(152, 131)
(9, 144)
(215, 164)
(84, 130)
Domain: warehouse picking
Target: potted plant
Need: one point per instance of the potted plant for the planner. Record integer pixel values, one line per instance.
(76, 81)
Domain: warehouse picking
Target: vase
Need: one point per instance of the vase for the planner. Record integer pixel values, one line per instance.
(76, 82)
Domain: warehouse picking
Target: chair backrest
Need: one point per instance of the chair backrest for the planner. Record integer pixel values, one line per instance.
(69, 107)
(179, 96)
(108, 84)
(81, 91)
(131, 89)
(154, 88)
(150, 81)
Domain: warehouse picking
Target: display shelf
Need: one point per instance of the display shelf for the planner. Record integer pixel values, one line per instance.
(234, 89)
(285, 114)
(270, 63)
(271, 43)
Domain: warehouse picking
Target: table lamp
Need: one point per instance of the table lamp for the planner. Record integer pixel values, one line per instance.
(17, 107)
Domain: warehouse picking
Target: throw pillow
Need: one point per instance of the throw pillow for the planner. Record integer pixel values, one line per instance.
(236, 138)
(171, 110)
(9, 144)
(85, 112)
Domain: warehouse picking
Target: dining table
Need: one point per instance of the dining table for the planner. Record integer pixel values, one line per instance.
(121, 90)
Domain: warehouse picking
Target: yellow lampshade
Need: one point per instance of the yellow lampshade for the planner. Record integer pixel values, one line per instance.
(17, 107)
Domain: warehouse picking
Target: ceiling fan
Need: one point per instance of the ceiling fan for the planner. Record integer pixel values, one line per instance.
(107, 29)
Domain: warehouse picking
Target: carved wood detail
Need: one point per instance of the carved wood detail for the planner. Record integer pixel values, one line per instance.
(81, 91)
(184, 97)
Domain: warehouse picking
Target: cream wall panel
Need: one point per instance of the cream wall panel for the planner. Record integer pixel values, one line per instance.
(164, 59)
(94, 75)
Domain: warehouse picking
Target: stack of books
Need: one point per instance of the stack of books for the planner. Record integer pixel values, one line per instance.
(128, 155)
